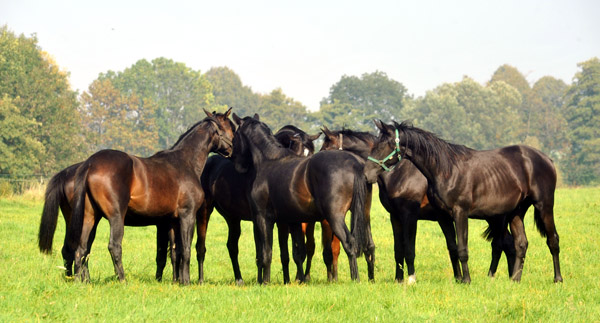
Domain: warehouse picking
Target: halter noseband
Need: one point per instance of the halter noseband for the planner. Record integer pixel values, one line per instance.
(381, 162)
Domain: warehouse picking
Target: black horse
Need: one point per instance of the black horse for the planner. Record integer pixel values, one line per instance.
(496, 184)
(163, 188)
(403, 193)
(59, 194)
(293, 189)
(226, 189)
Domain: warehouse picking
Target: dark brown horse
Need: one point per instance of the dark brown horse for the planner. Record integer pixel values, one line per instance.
(403, 193)
(293, 189)
(163, 188)
(499, 184)
(226, 190)
(59, 194)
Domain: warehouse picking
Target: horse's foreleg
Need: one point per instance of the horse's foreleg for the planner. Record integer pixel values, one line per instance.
(462, 235)
(398, 246)
(370, 252)
(409, 227)
(201, 225)
(447, 227)
(186, 222)
(263, 234)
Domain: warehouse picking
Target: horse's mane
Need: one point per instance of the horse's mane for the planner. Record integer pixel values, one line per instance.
(295, 130)
(264, 139)
(361, 135)
(443, 154)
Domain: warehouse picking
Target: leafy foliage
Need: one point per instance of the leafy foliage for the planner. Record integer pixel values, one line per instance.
(582, 113)
(32, 86)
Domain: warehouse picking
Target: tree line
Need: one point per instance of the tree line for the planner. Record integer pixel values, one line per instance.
(46, 126)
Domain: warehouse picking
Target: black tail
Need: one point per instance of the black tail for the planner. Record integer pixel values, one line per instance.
(76, 225)
(539, 222)
(54, 194)
(359, 223)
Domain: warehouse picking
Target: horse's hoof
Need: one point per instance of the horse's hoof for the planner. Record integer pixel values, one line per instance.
(412, 279)
(558, 279)
(239, 282)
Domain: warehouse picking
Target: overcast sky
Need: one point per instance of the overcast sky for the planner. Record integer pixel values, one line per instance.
(304, 47)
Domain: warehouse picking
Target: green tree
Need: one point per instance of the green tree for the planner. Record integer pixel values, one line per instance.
(228, 91)
(32, 82)
(178, 92)
(277, 110)
(582, 113)
(19, 147)
(550, 126)
(118, 121)
(371, 96)
(470, 114)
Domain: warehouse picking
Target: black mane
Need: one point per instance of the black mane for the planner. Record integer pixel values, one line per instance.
(442, 153)
(261, 135)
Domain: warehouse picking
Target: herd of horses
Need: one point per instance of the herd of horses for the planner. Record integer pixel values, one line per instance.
(279, 179)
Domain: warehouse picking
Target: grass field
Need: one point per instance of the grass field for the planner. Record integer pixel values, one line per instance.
(33, 287)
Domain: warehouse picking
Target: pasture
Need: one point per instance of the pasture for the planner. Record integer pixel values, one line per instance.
(33, 287)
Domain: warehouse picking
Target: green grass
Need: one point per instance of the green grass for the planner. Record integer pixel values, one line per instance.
(33, 287)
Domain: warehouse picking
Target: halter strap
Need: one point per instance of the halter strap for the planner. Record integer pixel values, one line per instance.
(341, 137)
(381, 162)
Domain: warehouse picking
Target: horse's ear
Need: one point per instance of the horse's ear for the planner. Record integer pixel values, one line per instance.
(228, 112)
(256, 117)
(210, 115)
(314, 137)
(237, 119)
(326, 131)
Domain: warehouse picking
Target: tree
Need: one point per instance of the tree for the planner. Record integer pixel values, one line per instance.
(582, 113)
(371, 96)
(228, 91)
(470, 114)
(277, 110)
(32, 82)
(19, 148)
(550, 126)
(118, 121)
(178, 92)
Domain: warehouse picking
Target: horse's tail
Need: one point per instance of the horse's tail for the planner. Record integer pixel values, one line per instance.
(54, 194)
(76, 225)
(358, 228)
(496, 228)
(539, 222)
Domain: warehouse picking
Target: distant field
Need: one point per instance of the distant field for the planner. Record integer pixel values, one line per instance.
(32, 287)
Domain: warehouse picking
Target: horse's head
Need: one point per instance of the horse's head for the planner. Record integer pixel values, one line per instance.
(225, 131)
(297, 140)
(359, 143)
(386, 152)
(248, 128)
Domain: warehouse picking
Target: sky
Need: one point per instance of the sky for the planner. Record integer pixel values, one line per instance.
(305, 47)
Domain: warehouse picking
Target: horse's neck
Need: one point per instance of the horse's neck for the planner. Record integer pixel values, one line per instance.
(361, 148)
(434, 175)
(195, 148)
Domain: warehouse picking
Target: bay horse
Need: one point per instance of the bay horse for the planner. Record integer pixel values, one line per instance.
(403, 193)
(498, 184)
(163, 188)
(226, 190)
(293, 189)
(59, 195)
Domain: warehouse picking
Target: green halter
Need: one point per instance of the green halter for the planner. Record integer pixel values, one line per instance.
(390, 156)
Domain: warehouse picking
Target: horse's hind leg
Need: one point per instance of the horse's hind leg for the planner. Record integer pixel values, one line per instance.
(309, 232)
(114, 244)
(545, 213)
(339, 228)
(283, 231)
(298, 249)
(233, 238)
(162, 249)
(518, 230)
